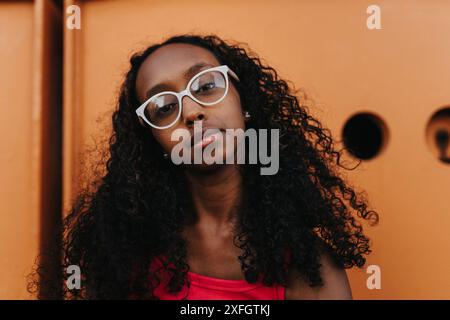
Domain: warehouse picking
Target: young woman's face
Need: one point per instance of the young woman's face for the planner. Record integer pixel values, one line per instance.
(166, 66)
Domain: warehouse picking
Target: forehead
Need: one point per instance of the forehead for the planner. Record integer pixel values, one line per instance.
(169, 62)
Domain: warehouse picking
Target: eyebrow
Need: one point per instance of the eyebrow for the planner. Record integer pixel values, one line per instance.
(186, 74)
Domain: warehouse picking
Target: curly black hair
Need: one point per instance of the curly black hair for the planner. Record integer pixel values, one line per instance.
(137, 209)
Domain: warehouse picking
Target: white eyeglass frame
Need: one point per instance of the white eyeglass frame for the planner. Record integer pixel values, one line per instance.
(224, 69)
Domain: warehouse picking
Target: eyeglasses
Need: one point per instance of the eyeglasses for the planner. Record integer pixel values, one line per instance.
(207, 87)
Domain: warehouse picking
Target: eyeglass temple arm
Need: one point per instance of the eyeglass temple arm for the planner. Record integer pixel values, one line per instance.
(234, 74)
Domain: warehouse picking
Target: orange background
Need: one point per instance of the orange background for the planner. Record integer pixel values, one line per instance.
(400, 73)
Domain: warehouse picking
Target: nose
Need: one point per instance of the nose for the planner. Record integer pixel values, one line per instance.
(192, 111)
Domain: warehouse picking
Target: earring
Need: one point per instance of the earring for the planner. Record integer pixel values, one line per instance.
(247, 115)
(165, 156)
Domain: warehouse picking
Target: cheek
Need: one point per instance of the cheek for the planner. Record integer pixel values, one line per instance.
(163, 138)
(232, 112)
(237, 116)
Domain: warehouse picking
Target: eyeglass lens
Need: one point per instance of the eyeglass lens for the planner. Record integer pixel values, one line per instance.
(208, 87)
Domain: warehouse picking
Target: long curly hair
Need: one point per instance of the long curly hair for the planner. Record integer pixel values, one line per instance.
(137, 210)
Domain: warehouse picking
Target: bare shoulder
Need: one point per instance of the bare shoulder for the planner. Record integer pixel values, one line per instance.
(335, 283)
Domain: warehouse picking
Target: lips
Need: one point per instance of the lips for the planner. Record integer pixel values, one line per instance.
(206, 138)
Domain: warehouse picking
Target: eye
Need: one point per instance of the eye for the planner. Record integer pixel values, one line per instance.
(206, 87)
(165, 109)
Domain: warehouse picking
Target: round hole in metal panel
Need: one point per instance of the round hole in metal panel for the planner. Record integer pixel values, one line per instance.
(365, 135)
(438, 134)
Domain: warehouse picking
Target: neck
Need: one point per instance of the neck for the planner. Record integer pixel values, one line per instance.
(215, 195)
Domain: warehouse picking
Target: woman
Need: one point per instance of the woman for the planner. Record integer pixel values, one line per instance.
(154, 229)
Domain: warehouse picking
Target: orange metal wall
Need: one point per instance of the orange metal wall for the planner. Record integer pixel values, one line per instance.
(30, 134)
(19, 217)
(401, 73)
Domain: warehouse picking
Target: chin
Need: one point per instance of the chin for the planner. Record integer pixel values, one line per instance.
(210, 164)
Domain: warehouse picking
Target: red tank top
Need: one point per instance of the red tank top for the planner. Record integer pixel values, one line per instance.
(208, 288)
